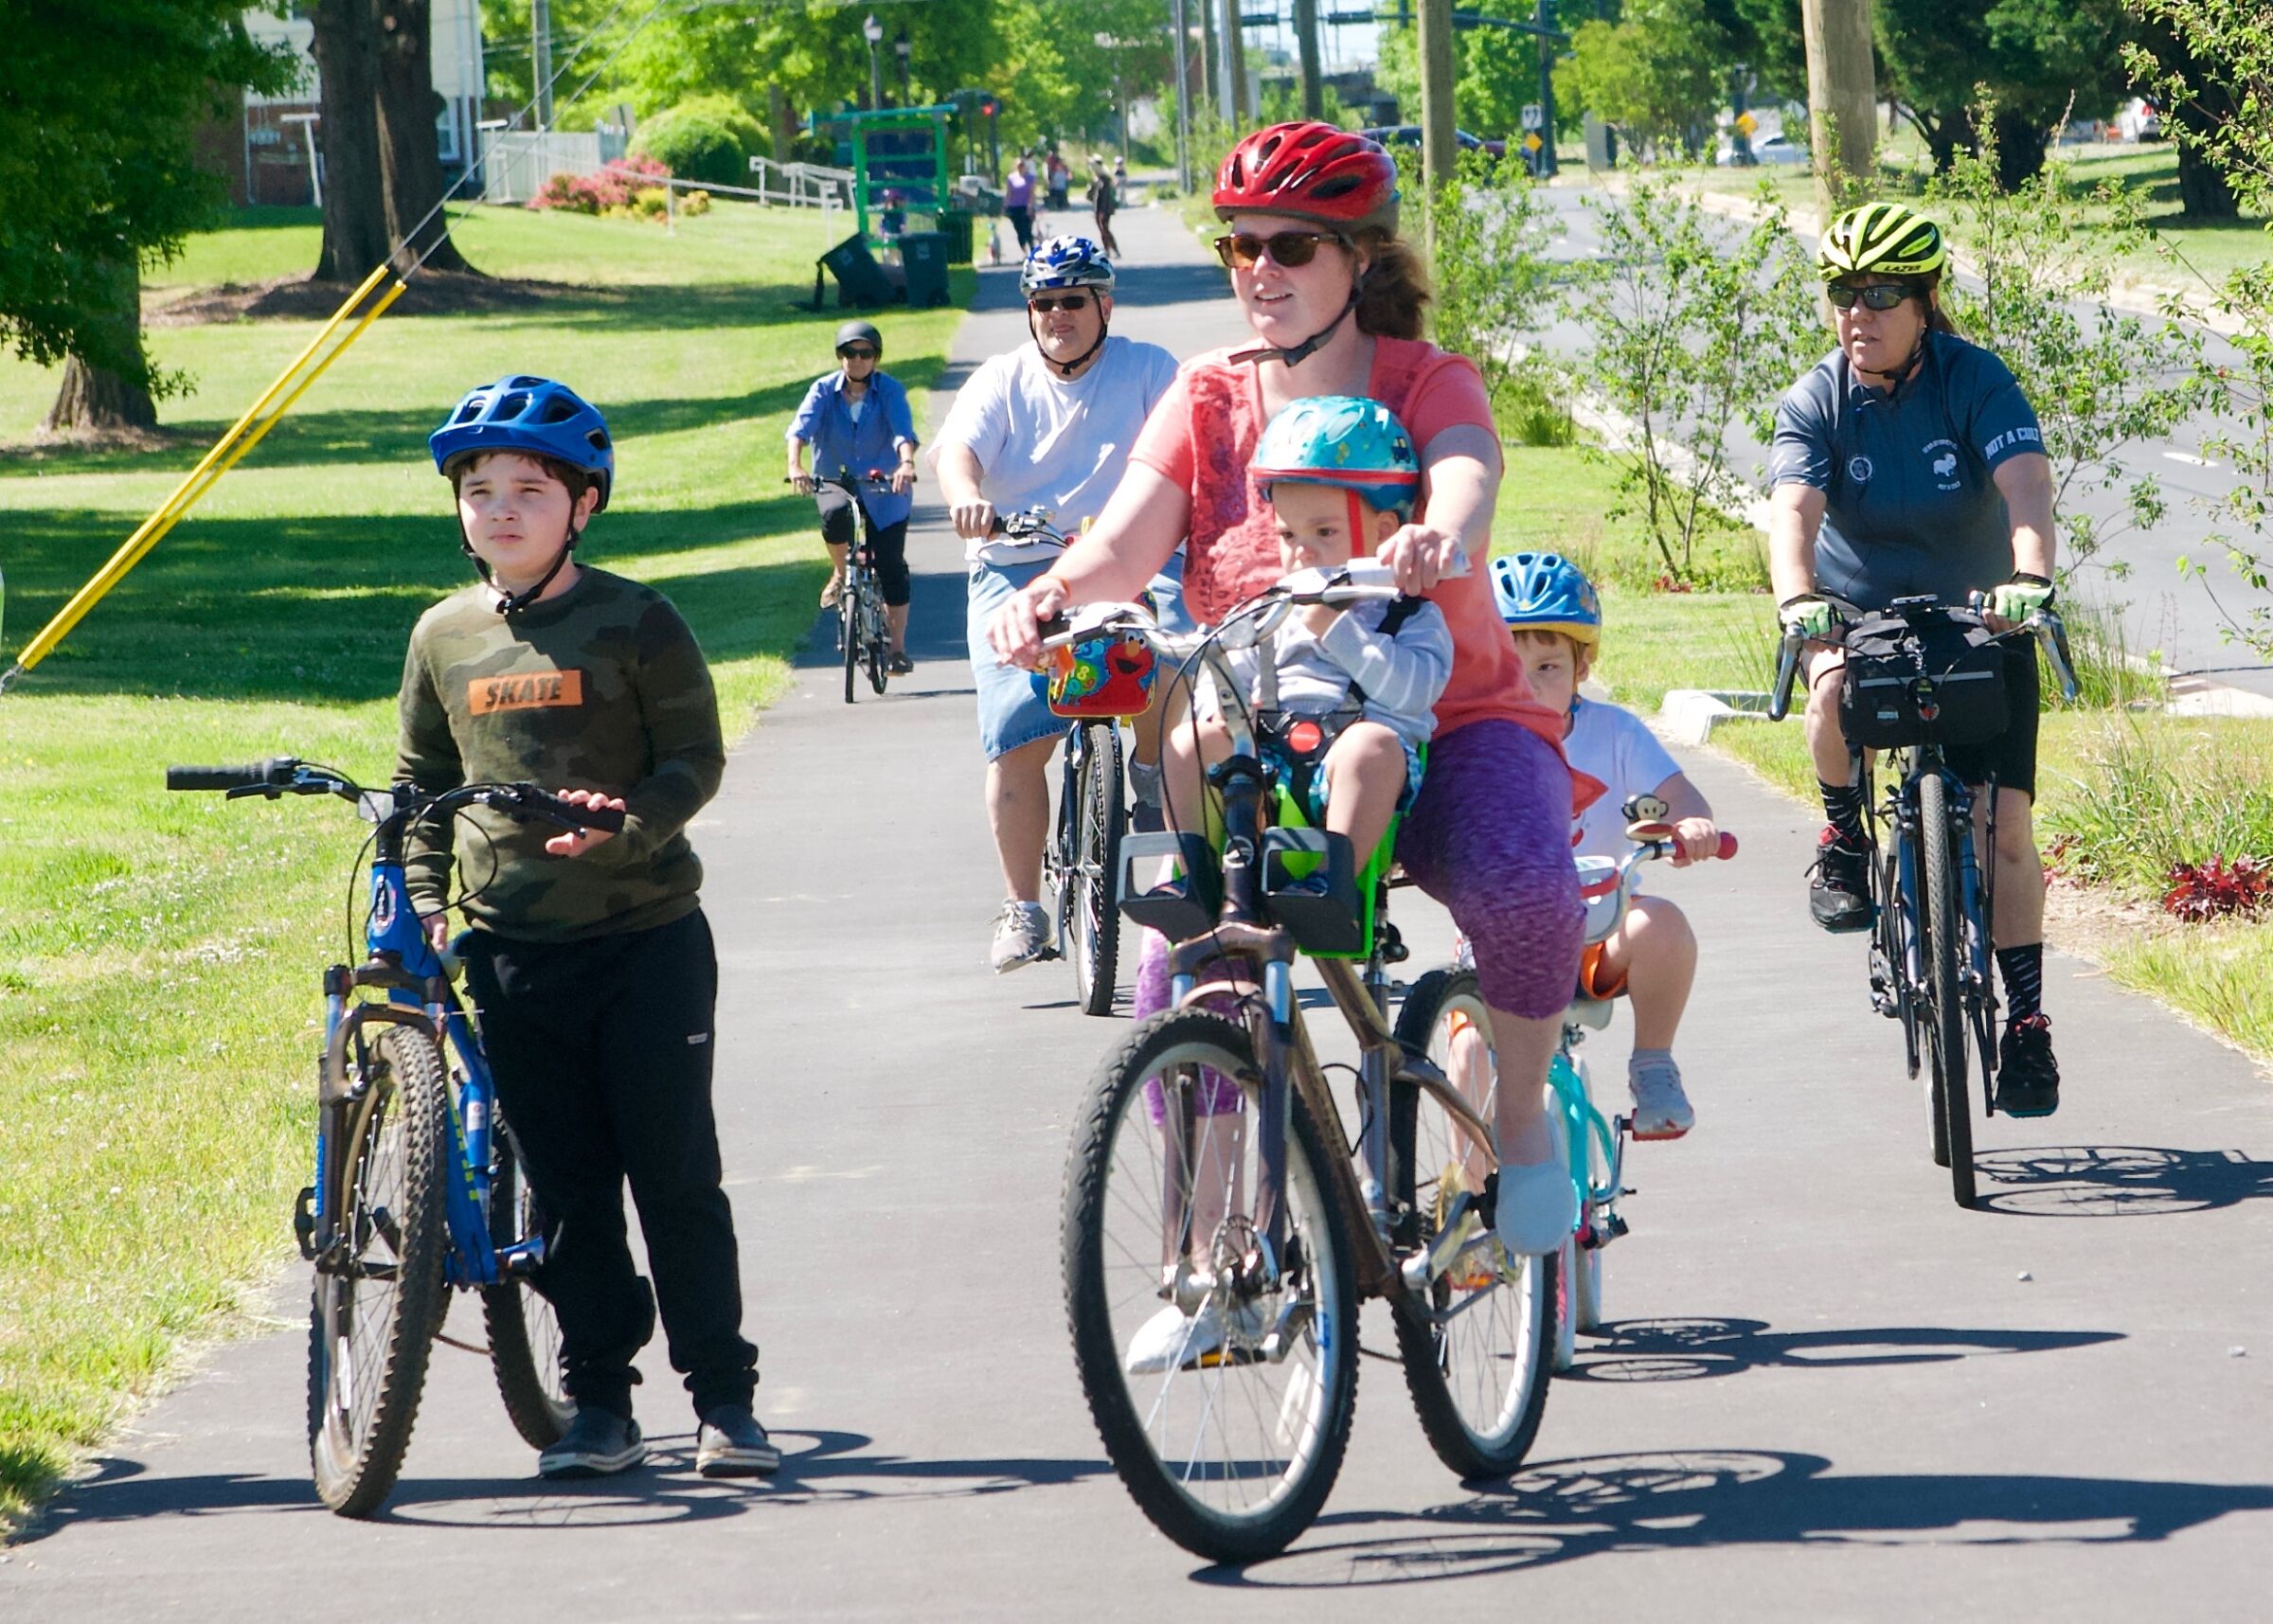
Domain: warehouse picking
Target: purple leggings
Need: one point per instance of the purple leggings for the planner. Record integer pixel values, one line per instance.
(1489, 836)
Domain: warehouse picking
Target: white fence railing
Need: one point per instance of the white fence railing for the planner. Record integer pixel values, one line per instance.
(801, 185)
(516, 163)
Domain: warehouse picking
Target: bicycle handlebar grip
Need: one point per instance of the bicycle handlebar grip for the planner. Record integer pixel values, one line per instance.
(609, 819)
(1787, 666)
(251, 775)
(1728, 847)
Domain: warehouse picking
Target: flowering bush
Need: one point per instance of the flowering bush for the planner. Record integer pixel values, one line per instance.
(2199, 892)
(604, 191)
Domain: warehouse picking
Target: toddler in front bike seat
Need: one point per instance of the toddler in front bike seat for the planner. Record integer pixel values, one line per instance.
(1556, 619)
(1348, 696)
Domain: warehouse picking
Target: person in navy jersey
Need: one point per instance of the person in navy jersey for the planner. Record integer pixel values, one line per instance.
(1908, 461)
(858, 422)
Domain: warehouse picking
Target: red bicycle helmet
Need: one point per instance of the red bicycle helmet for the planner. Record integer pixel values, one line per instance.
(1310, 171)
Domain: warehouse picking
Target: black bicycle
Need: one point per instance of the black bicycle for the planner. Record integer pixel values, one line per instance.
(863, 635)
(1921, 676)
(1083, 855)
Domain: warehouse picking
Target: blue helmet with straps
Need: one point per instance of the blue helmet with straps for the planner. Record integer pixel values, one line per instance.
(1343, 440)
(523, 413)
(1065, 262)
(1546, 592)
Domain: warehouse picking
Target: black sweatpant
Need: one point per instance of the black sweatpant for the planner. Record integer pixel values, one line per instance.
(602, 1052)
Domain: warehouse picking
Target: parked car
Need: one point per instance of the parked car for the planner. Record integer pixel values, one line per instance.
(1409, 136)
(2139, 120)
(1766, 150)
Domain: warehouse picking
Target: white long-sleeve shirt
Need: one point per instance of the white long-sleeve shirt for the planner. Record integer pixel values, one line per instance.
(1401, 674)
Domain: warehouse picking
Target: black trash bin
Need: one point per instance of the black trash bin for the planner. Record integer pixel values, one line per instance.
(859, 279)
(923, 254)
(955, 225)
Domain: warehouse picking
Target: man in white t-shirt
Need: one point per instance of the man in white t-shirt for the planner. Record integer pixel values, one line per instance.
(1050, 426)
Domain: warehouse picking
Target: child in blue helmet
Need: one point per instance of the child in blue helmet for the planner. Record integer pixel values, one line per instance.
(1341, 478)
(1556, 619)
(589, 963)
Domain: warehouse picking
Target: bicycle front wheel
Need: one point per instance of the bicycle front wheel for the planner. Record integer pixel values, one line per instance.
(877, 653)
(847, 635)
(1477, 1345)
(1945, 1026)
(525, 1334)
(1090, 924)
(379, 1295)
(1222, 1391)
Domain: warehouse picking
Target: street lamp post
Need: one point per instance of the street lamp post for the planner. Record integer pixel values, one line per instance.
(903, 49)
(872, 31)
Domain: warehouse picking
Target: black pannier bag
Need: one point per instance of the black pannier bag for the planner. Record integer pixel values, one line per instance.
(1935, 679)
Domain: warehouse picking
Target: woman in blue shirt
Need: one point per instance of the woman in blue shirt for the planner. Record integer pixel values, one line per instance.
(1909, 461)
(858, 421)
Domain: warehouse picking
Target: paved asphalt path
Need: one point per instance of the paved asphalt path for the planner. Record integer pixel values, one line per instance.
(1828, 1393)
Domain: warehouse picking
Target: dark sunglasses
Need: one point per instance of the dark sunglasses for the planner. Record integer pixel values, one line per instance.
(1877, 296)
(857, 352)
(1063, 302)
(1287, 249)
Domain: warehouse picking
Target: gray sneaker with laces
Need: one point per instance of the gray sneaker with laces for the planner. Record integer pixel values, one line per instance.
(1021, 936)
(1661, 1109)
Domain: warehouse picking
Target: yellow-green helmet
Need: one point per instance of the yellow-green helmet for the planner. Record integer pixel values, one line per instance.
(1882, 238)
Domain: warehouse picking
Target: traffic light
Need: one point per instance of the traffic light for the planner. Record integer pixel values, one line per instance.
(986, 108)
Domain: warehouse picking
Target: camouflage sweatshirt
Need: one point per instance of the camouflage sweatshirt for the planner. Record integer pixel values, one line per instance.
(602, 687)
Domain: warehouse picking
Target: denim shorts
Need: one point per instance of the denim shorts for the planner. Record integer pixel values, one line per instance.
(1014, 706)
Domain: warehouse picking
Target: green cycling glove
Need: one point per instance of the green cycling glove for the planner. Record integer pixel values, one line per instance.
(1807, 614)
(2020, 597)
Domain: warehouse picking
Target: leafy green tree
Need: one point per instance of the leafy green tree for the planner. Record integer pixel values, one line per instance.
(2039, 59)
(99, 103)
(1658, 73)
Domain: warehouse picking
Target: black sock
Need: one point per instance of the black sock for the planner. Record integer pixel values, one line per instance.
(2022, 970)
(1843, 805)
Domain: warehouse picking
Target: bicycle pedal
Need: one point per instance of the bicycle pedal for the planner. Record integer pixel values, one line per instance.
(303, 1223)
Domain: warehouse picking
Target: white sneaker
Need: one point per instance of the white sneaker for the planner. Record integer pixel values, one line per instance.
(1661, 1109)
(1172, 1340)
(1536, 1209)
(1021, 935)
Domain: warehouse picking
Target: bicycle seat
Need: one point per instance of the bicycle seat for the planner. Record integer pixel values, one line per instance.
(1594, 1012)
(1604, 896)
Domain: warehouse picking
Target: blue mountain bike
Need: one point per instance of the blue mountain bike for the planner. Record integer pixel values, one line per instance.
(417, 1189)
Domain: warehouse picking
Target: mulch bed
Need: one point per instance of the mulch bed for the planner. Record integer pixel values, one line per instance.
(302, 298)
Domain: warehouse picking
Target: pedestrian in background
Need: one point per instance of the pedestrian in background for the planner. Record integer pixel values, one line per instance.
(1102, 201)
(1018, 204)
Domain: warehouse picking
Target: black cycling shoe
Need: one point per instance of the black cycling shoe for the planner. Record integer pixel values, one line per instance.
(730, 1443)
(1840, 895)
(2028, 1078)
(899, 666)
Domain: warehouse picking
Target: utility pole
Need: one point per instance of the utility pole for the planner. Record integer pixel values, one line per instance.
(1842, 91)
(1440, 151)
(1208, 75)
(1235, 67)
(540, 58)
(1544, 19)
(1306, 49)
(1183, 103)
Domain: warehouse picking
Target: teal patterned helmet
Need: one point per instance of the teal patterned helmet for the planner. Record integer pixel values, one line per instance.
(1352, 444)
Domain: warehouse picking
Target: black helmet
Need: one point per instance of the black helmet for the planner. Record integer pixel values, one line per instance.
(860, 332)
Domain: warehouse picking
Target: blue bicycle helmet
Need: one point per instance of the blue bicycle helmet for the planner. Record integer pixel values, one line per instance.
(1065, 262)
(523, 413)
(1353, 444)
(1546, 592)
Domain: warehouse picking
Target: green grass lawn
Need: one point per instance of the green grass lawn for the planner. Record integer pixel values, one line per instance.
(158, 955)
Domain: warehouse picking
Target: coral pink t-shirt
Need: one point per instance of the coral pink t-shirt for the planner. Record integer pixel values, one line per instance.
(1202, 437)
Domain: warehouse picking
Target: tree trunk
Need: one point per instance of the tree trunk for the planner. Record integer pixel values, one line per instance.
(346, 56)
(2020, 149)
(411, 149)
(2203, 193)
(96, 394)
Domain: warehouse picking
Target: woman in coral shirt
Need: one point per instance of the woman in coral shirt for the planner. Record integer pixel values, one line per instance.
(1333, 298)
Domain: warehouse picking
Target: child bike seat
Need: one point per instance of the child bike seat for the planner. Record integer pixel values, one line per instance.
(1604, 894)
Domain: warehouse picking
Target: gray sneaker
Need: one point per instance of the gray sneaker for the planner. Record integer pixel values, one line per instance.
(598, 1443)
(1661, 1109)
(1021, 936)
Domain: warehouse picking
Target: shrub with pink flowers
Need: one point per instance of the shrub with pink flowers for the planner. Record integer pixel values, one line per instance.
(603, 191)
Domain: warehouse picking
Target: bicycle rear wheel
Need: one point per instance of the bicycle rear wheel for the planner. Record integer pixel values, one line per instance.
(1089, 924)
(1945, 1026)
(1476, 1342)
(379, 1295)
(1230, 1436)
(525, 1334)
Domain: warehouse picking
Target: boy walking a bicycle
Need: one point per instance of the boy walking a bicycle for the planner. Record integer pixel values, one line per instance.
(589, 962)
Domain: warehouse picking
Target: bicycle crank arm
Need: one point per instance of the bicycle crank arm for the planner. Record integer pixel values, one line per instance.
(1462, 1229)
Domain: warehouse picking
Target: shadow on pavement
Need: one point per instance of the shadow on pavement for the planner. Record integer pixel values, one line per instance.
(2117, 1181)
(830, 1467)
(1690, 1349)
(1563, 1511)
